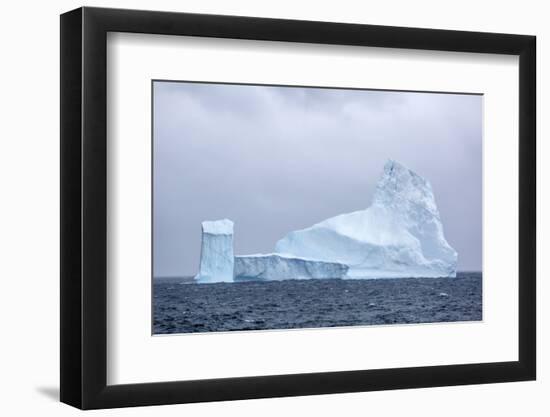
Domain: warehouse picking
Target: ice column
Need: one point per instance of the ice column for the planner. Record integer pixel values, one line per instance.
(217, 259)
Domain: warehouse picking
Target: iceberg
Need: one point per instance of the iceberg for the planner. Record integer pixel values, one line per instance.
(276, 267)
(217, 258)
(399, 235)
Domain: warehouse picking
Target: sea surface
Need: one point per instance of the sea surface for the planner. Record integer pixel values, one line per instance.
(181, 306)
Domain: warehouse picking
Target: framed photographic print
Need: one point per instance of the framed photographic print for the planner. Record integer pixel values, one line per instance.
(259, 207)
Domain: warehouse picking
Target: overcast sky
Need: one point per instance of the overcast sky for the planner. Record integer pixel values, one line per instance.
(277, 159)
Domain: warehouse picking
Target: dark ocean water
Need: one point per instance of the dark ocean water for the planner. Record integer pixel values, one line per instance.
(183, 307)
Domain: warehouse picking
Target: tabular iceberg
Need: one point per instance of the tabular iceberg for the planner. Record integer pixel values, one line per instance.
(276, 267)
(399, 235)
(217, 258)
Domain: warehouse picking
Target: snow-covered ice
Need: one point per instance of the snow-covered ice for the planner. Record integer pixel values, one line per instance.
(276, 267)
(399, 235)
(217, 258)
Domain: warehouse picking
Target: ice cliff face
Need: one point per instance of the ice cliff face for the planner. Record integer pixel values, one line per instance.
(217, 258)
(275, 267)
(399, 235)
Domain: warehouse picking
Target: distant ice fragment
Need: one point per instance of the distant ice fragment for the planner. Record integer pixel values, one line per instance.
(276, 267)
(217, 258)
(399, 235)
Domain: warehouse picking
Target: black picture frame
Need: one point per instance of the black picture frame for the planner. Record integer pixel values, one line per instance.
(84, 207)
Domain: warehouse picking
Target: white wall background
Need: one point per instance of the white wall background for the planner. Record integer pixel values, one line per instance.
(29, 237)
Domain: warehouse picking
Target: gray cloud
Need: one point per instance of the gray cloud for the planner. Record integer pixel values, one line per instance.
(275, 159)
